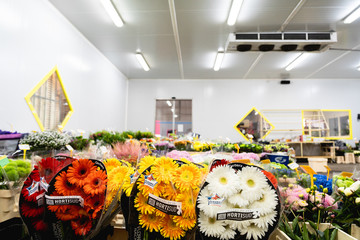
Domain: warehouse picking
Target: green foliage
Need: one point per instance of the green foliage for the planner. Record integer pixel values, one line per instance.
(107, 138)
(79, 143)
(299, 230)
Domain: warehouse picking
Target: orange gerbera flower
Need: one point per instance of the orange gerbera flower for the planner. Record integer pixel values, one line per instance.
(187, 177)
(95, 183)
(82, 226)
(271, 177)
(71, 212)
(141, 204)
(79, 170)
(150, 221)
(95, 202)
(170, 229)
(63, 186)
(184, 223)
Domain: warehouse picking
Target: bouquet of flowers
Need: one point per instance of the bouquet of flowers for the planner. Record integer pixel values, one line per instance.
(75, 200)
(130, 151)
(237, 201)
(349, 200)
(14, 173)
(253, 157)
(46, 140)
(163, 202)
(178, 155)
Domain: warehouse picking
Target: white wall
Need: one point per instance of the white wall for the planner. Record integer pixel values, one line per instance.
(34, 38)
(219, 104)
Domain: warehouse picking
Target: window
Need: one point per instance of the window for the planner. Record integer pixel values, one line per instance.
(49, 103)
(329, 124)
(173, 115)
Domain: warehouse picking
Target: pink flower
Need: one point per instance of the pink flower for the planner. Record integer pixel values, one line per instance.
(178, 155)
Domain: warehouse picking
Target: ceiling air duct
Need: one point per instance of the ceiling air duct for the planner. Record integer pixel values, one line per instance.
(277, 41)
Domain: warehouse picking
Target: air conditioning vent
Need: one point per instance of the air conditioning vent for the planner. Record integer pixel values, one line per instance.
(271, 36)
(295, 36)
(275, 41)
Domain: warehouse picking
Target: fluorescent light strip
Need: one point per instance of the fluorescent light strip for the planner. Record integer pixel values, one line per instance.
(218, 60)
(234, 12)
(113, 13)
(168, 103)
(142, 61)
(355, 14)
(301, 57)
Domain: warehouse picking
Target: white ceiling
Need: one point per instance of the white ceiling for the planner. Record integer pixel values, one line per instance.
(203, 30)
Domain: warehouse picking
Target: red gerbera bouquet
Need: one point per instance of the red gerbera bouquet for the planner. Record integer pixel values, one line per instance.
(75, 199)
(31, 205)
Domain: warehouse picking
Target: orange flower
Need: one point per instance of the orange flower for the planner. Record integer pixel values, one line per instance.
(187, 177)
(170, 229)
(80, 169)
(95, 203)
(71, 212)
(95, 183)
(63, 186)
(81, 226)
(271, 177)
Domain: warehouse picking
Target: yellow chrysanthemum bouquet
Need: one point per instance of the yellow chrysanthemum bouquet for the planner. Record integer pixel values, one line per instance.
(162, 203)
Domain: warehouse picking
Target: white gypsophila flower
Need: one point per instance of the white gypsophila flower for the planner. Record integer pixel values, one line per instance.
(209, 226)
(252, 182)
(228, 233)
(266, 220)
(253, 232)
(223, 181)
(238, 225)
(267, 203)
(203, 203)
(238, 199)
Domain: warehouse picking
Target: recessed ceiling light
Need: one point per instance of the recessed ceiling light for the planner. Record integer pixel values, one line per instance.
(218, 60)
(113, 13)
(358, 68)
(301, 57)
(234, 12)
(168, 103)
(142, 61)
(355, 14)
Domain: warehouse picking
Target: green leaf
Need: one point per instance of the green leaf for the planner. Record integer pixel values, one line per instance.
(313, 225)
(327, 234)
(334, 234)
(295, 223)
(305, 233)
(320, 233)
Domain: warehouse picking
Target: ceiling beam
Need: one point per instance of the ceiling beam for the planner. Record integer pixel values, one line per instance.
(292, 15)
(176, 36)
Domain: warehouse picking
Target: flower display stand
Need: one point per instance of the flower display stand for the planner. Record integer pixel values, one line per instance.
(340, 159)
(8, 206)
(341, 235)
(277, 234)
(355, 231)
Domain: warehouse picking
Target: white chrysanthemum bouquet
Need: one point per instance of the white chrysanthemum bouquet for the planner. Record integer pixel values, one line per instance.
(237, 201)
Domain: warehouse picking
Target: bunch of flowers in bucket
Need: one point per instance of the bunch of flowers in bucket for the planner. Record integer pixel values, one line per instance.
(163, 202)
(237, 201)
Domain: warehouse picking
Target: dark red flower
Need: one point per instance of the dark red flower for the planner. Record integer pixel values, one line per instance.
(30, 209)
(219, 162)
(49, 167)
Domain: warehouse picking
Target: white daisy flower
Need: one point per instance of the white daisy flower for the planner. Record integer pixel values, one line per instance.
(203, 203)
(252, 182)
(266, 220)
(210, 227)
(228, 233)
(253, 232)
(238, 199)
(238, 225)
(267, 203)
(223, 181)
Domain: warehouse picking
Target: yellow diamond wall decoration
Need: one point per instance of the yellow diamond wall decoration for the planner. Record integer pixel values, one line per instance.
(254, 126)
(49, 102)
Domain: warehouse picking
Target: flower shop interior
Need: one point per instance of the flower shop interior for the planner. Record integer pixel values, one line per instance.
(180, 119)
